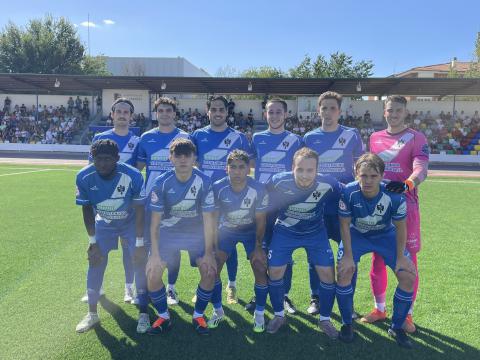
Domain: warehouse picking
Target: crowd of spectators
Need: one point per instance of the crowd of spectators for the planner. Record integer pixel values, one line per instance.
(45, 124)
(448, 131)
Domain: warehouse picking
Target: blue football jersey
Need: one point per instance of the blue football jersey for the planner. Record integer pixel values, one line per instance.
(127, 145)
(154, 151)
(237, 209)
(274, 153)
(182, 203)
(371, 216)
(300, 211)
(112, 199)
(338, 150)
(213, 148)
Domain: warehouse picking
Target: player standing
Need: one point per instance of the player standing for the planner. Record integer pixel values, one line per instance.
(338, 148)
(274, 149)
(127, 141)
(154, 153)
(108, 192)
(214, 142)
(405, 153)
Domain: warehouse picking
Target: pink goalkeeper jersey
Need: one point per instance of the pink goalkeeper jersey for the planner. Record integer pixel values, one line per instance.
(403, 153)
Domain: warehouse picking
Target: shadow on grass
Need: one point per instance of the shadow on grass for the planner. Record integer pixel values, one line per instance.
(234, 339)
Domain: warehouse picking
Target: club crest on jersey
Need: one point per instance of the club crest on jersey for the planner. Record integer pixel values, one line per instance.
(342, 205)
(247, 201)
(154, 197)
(380, 208)
(193, 190)
(342, 141)
(317, 194)
(400, 142)
(227, 142)
(131, 145)
(121, 189)
(285, 144)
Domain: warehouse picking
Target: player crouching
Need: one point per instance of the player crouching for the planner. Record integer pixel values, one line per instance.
(366, 211)
(183, 218)
(242, 204)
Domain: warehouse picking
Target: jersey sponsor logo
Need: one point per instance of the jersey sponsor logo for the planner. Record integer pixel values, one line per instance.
(262, 143)
(204, 140)
(94, 188)
(151, 141)
(171, 191)
(358, 205)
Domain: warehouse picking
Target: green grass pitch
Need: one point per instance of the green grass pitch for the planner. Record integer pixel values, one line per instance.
(43, 266)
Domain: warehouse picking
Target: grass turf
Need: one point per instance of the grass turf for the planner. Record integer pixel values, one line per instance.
(43, 266)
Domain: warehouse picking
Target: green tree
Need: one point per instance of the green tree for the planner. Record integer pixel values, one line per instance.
(45, 46)
(474, 68)
(263, 72)
(95, 65)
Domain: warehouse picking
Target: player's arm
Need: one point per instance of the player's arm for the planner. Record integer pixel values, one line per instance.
(258, 255)
(346, 265)
(93, 252)
(140, 253)
(154, 263)
(210, 232)
(403, 264)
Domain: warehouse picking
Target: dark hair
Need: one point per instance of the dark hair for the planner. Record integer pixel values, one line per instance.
(215, 98)
(306, 153)
(330, 95)
(371, 161)
(181, 146)
(397, 98)
(125, 101)
(165, 101)
(238, 155)
(277, 100)
(104, 146)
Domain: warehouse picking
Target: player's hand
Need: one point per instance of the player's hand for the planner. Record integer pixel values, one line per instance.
(209, 261)
(404, 264)
(155, 264)
(346, 266)
(94, 255)
(140, 255)
(398, 187)
(259, 257)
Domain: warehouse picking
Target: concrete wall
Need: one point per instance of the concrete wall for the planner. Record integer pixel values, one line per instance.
(139, 98)
(144, 66)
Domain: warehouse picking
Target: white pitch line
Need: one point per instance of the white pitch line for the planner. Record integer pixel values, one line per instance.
(454, 181)
(25, 172)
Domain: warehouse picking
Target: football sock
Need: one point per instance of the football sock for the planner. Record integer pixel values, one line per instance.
(402, 300)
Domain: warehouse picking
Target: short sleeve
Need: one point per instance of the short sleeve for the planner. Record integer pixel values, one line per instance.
(155, 200)
(262, 200)
(141, 153)
(208, 200)
(399, 211)
(344, 208)
(81, 195)
(138, 194)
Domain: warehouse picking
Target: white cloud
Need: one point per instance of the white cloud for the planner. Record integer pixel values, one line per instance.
(88, 24)
(108, 22)
(75, 25)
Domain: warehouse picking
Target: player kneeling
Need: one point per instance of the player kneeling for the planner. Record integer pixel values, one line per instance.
(242, 204)
(112, 190)
(183, 218)
(366, 211)
(300, 197)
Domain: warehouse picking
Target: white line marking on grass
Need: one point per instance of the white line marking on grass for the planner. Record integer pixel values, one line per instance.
(37, 168)
(25, 172)
(454, 181)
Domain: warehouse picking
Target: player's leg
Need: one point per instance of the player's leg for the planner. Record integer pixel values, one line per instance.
(204, 290)
(287, 280)
(128, 267)
(158, 293)
(279, 255)
(261, 283)
(378, 282)
(232, 268)
(173, 270)
(218, 314)
(320, 254)
(413, 246)
(95, 275)
(402, 299)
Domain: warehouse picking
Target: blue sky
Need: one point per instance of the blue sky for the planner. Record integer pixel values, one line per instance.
(241, 34)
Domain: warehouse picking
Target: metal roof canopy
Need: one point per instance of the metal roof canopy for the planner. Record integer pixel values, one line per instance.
(86, 84)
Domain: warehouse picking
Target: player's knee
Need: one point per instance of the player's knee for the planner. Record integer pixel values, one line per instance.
(276, 273)
(406, 279)
(326, 274)
(344, 277)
